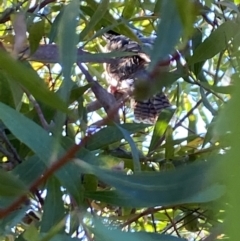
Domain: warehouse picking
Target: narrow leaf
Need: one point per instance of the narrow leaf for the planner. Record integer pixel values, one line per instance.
(10, 185)
(30, 169)
(36, 33)
(68, 44)
(160, 128)
(129, 8)
(31, 81)
(215, 43)
(53, 211)
(111, 134)
(168, 32)
(135, 152)
(95, 18)
(171, 187)
(42, 146)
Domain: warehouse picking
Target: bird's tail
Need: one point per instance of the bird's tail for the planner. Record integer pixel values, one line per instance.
(147, 111)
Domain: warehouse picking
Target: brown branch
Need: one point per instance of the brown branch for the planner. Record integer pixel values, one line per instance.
(31, 10)
(106, 99)
(40, 114)
(48, 53)
(187, 115)
(173, 224)
(93, 106)
(12, 162)
(140, 215)
(58, 164)
(10, 148)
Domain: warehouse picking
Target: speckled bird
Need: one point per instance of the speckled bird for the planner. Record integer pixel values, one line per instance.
(120, 77)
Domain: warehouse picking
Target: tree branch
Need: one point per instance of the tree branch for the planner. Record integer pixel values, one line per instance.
(49, 53)
(6, 14)
(106, 99)
(59, 163)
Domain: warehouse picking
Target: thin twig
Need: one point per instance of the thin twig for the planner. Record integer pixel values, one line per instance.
(153, 222)
(173, 224)
(142, 214)
(187, 115)
(218, 67)
(10, 146)
(38, 109)
(93, 106)
(9, 156)
(57, 165)
(31, 10)
(105, 98)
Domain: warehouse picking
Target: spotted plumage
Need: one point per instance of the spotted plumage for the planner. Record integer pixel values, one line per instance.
(120, 77)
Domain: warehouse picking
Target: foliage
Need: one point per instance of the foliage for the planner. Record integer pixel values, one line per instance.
(69, 172)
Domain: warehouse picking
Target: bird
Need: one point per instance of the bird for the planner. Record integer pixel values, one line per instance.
(120, 76)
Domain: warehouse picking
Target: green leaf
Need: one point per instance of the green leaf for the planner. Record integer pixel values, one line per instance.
(31, 81)
(68, 44)
(36, 33)
(228, 122)
(102, 8)
(218, 89)
(10, 185)
(54, 231)
(29, 170)
(12, 219)
(77, 92)
(187, 13)
(103, 233)
(90, 182)
(148, 189)
(206, 103)
(111, 134)
(53, 210)
(129, 9)
(134, 150)
(157, 7)
(169, 146)
(31, 233)
(160, 128)
(55, 27)
(42, 145)
(168, 33)
(6, 95)
(17, 92)
(215, 43)
(108, 20)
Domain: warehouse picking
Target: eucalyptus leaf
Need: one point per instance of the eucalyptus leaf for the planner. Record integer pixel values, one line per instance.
(95, 18)
(147, 189)
(111, 134)
(53, 210)
(215, 43)
(42, 146)
(10, 185)
(31, 81)
(168, 33)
